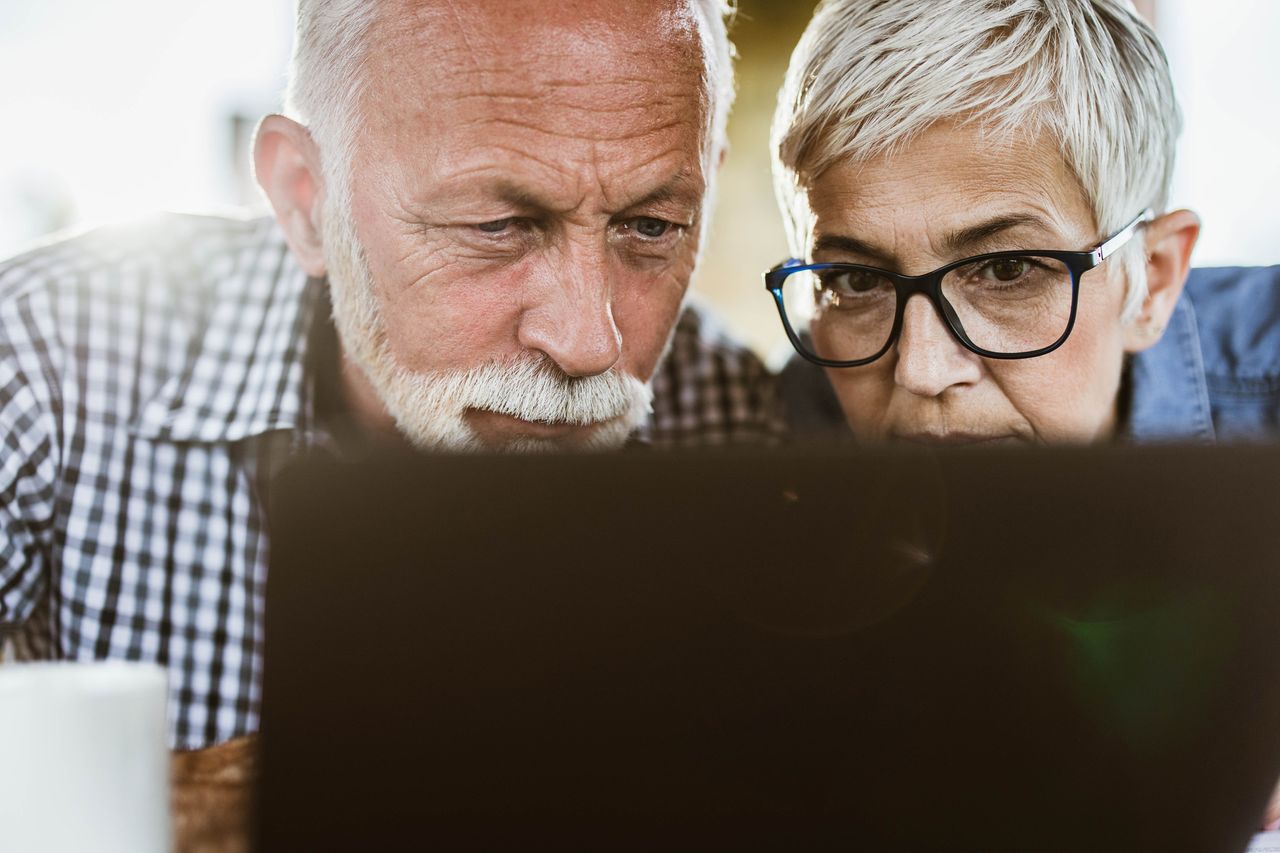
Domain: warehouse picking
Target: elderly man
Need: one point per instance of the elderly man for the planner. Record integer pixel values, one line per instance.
(504, 201)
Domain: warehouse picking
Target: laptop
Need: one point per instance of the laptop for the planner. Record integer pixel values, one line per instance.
(1070, 649)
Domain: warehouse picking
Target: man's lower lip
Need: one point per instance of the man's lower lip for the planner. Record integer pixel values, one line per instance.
(957, 439)
(536, 429)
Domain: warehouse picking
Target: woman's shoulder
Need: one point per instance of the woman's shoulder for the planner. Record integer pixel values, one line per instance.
(1237, 335)
(809, 403)
(1237, 313)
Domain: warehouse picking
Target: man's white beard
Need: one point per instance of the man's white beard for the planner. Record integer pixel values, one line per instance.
(429, 407)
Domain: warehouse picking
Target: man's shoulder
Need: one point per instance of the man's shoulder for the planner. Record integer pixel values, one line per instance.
(701, 330)
(180, 326)
(1238, 320)
(187, 252)
(711, 389)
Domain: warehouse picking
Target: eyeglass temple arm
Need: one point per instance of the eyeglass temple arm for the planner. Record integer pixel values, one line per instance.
(787, 264)
(1122, 236)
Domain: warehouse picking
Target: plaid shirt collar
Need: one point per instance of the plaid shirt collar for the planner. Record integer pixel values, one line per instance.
(207, 402)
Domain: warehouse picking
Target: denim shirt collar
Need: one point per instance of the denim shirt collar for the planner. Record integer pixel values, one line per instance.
(1170, 395)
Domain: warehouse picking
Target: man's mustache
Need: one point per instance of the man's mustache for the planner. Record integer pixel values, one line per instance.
(533, 388)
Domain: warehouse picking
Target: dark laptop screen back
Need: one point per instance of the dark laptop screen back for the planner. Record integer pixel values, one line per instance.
(986, 650)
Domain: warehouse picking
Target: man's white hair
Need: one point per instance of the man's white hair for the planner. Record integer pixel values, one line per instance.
(870, 75)
(326, 83)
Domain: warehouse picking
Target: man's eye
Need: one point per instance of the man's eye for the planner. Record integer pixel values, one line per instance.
(497, 226)
(650, 228)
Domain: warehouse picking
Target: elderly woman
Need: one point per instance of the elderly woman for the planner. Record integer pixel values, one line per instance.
(978, 189)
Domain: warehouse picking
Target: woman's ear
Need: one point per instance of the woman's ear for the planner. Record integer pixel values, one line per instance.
(287, 167)
(1169, 241)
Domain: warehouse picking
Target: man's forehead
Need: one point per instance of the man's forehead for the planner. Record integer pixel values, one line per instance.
(446, 78)
(573, 106)
(461, 35)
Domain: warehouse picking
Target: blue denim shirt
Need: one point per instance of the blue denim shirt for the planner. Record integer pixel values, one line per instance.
(1213, 376)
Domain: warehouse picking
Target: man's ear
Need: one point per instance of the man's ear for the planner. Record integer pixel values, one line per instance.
(287, 167)
(1169, 239)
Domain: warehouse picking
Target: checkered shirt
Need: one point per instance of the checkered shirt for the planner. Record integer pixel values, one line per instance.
(146, 375)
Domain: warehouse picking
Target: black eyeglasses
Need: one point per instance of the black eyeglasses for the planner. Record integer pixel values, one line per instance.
(1001, 305)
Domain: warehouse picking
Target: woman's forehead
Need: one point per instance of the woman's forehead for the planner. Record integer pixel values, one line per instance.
(948, 178)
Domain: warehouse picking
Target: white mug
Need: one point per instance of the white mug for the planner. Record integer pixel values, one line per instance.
(84, 760)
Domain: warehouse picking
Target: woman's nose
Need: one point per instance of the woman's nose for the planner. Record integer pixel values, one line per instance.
(929, 357)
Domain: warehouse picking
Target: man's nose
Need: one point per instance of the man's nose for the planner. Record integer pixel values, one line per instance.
(930, 359)
(568, 315)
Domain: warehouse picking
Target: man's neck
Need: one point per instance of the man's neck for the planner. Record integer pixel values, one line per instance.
(363, 405)
(346, 404)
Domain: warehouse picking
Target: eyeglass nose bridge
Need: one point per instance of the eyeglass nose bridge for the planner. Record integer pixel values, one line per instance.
(930, 287)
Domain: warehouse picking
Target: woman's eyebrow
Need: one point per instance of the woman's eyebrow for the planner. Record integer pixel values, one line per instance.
(850, 246)
(956, 243)
(965, 240)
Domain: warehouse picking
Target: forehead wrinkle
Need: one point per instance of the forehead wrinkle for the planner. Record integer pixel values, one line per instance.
(601, 93)
(654, 181)
(568, 132)
(526, 87)
(684, 187)
(523, 100)
(495, 183)
(555, 142)
(507, 57)
(556, 191)
(564, 189)
(496, 36)
(858, 208)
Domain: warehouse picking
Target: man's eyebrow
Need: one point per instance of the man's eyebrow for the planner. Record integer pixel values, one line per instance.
(965, 239)
(519, 196)
(681, 188)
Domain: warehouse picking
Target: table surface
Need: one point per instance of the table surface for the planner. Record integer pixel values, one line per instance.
(1265, 842)
(212, 791)
(211, 796)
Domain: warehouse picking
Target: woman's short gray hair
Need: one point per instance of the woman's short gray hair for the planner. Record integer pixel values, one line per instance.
(870, 75)
(325, 79)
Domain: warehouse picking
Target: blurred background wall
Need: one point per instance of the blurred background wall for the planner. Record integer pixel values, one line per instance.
(110, 109)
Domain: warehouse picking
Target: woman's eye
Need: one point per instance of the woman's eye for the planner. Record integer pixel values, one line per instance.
(1009, 269)
(851, 281)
